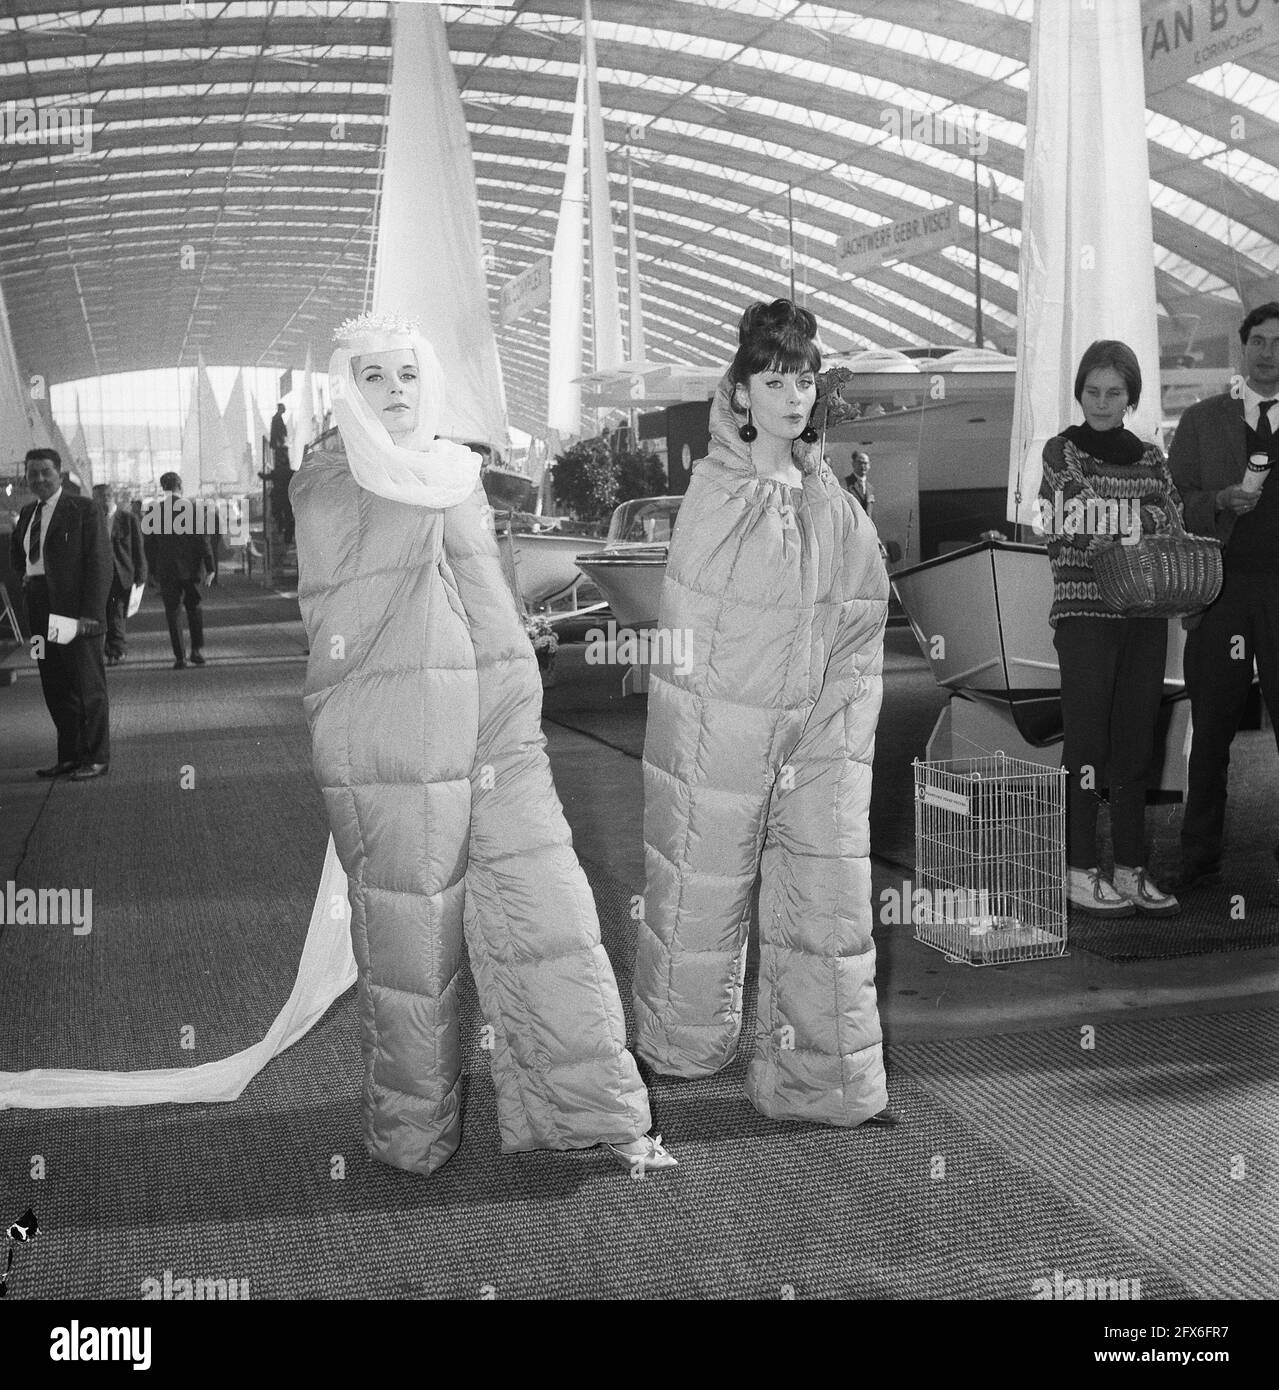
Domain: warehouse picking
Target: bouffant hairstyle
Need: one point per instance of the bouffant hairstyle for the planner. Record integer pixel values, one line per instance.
(776, 337)
(1110, 352)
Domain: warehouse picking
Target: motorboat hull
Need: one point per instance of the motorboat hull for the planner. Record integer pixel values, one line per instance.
(546, 563)
(980, 616)
(630, 579)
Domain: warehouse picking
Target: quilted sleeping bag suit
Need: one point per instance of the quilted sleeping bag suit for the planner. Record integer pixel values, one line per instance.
(424, 703)
(758, 761)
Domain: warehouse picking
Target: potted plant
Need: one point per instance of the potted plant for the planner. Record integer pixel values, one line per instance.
(545, 644)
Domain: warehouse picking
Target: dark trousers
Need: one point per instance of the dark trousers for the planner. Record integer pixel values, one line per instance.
(117, 611)
(1112, 672)
(1241, 626)
(176, 593)
(74, 680)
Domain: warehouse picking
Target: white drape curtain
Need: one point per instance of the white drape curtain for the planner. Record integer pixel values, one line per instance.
(1087, 251)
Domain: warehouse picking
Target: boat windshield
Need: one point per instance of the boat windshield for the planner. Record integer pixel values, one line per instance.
(645, 520)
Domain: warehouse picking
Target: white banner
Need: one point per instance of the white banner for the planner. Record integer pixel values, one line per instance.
(859, 252)
(1086, 174)
(529, 290)
(1182, 37)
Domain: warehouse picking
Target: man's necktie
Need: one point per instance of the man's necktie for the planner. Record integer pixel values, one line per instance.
(33, 536)
(1265, 431)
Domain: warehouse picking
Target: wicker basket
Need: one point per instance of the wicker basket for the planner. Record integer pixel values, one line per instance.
(1168, 576)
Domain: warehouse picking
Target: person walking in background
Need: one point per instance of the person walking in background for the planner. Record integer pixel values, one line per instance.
(180, 558)
(129, 568)
(61, 548)
(1209, 460)
(1107, 486)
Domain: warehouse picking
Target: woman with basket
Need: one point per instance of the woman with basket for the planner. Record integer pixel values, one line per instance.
(1102, 489)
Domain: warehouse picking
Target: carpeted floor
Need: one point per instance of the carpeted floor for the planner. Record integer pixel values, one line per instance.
(1151, 1126)
(275, 1189)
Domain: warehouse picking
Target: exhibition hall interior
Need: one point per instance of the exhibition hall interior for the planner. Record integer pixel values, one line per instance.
(673, 609)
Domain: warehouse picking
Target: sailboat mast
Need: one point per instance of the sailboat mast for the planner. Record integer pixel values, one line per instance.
(977, 254)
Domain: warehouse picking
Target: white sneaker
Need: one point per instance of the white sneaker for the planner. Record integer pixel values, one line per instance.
(1137, 889)
(1091, 893)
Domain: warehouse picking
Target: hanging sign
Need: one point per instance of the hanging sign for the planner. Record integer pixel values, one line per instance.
(859, 252)
(528, 291)
(1182, 37)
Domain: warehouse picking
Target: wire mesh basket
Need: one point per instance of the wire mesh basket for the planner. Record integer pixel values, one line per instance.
(990, 859)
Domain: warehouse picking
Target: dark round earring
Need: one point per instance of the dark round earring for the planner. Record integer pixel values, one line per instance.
(808, 434)
(748, 432)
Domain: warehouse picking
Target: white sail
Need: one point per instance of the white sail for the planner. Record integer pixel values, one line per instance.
(1087, 251)
(235, 423)
(20, 418)
(564, 394)
(302, 430)
(428, 236)
(79, 460)
(218, 462)
(44, 407)
(606, 319)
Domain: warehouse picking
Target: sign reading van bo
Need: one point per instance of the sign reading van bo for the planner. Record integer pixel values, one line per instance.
(198, 516)
(38, 123)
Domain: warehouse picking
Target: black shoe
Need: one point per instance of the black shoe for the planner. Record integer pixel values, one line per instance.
(57, 770)
(89, 771)
(1196, 876)
(197, 658)
(180, 664)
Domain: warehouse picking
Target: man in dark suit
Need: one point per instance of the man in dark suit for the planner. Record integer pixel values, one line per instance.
(180, 557)
(61, 549)
(130, 568)
(279, 438)
(858, 481)
(1209, 458)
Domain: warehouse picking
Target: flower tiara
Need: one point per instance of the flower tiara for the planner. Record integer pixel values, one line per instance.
(370, 326)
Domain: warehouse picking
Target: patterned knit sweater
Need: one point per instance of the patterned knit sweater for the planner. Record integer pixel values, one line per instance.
(1084, 505)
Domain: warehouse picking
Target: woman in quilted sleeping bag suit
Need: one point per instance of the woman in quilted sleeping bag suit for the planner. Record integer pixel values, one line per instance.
(424, 704)
(758, 754)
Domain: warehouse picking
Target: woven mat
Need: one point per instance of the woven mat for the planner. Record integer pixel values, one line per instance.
(1234, 915)
(1163, 1130)
(275, 1190)
(201, 893)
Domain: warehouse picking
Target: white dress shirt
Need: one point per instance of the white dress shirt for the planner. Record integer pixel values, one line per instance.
(45, 513)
